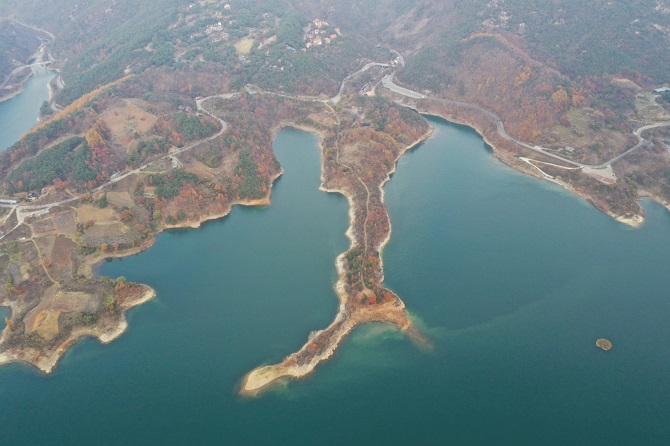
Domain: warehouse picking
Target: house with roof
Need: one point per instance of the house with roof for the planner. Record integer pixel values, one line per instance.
(320, 23)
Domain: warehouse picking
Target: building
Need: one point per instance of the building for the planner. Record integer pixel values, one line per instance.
(320, 23)
(662, 90)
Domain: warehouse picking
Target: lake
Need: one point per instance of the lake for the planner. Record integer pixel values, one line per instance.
(19, 114)
(513, 279)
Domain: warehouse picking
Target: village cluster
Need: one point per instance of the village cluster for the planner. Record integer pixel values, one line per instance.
(214, 31)
(319, 34)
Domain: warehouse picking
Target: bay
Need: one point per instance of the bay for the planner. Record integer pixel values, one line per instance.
(512, 279)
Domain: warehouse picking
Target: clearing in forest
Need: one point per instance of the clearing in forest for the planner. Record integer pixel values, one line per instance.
(243, 47)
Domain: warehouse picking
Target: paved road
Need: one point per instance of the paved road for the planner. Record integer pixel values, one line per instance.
(641, 141)
(335, 99)
(44, 31)
(387, 82)
(23, 209)
(603, 168)
(19, 69)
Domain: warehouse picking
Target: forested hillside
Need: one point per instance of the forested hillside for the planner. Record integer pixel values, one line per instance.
(584, 38)
(558, 74)
(17, 45)
(164, 112)
(576, 37)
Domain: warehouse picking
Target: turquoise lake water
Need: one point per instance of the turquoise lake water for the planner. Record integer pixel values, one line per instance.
(19, 114)
(513, 280)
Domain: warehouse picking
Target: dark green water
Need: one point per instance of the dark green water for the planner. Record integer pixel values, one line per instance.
(512, 278)
(19, 114)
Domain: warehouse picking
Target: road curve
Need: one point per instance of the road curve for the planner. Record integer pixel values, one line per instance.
(19, 69)
(335, 99)
(199, 102)
(390, 84)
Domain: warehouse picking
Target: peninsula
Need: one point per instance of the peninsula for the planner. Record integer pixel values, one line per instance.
(165, 112)
(59, 238)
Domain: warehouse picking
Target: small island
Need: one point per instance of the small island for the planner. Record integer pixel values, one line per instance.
(604, 344)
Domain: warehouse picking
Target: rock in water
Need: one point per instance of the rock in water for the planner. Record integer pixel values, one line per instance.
(604, 344)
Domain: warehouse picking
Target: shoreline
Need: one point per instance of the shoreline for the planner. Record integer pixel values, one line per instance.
(345, 320)
(265, 377)
(249, 386)
(20, 87)
(42, 55)
(46, 362)
(196, 224)
(633, 221)
(412, 146)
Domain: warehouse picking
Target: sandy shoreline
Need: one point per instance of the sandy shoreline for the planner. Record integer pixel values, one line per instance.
(38, 58)
(385, 242)
(14, 93)
(261, 378)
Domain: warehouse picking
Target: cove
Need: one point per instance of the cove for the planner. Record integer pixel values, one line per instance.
(512, 278)
(19, 114)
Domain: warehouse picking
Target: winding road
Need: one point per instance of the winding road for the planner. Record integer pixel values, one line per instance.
(604, 167)
(602, 171)
(335, 99)
(25, 211)
(46, 47)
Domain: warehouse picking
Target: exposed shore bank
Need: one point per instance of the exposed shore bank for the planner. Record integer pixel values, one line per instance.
(346, 319)
(46, 361)
(632, 220)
